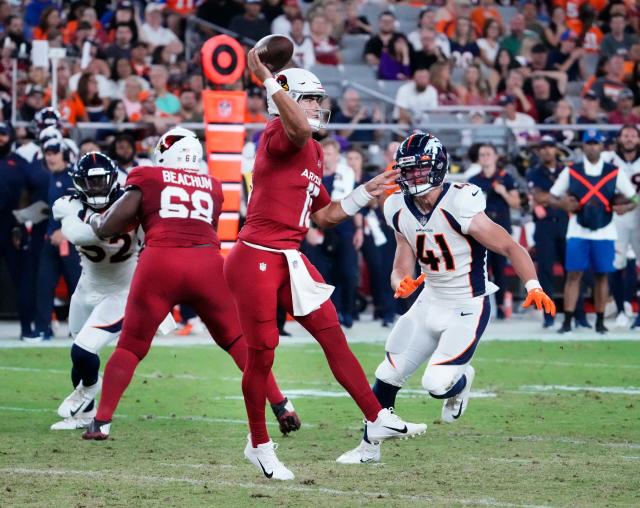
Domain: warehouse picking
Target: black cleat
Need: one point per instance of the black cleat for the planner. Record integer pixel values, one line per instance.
(287, 417)
(97, 430)
(600, 328)
(565, 328)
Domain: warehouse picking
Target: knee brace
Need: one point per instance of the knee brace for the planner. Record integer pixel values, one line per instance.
(391, 370)
(439, 381)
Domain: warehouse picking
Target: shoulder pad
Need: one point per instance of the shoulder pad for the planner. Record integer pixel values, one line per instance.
(65, 206)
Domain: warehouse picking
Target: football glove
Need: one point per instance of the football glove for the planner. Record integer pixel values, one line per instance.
(408, 285)
(538, 297)
(288, 419)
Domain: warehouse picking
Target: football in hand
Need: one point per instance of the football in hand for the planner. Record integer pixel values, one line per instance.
(274, 51)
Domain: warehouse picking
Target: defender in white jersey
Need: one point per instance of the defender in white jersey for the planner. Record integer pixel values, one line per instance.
(443, 226)
(627, 159)
(97, 305)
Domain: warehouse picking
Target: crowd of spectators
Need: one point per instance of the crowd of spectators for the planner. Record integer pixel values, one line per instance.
(524, 65)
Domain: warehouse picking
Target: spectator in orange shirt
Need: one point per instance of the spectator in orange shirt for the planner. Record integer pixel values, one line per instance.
(69, 104)
(49, 20)
(139, 54)
(585, 26)
(483, 12)
(255, 112)
(446, 16)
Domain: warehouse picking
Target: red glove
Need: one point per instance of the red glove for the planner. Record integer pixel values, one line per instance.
(407, 286)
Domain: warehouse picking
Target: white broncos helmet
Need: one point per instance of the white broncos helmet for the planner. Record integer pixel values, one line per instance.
(299, 83)
(178, 148)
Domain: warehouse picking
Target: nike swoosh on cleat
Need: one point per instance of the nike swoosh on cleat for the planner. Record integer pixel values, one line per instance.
(73, 413)
(474, 193)
(466, 313)
(455, 417)
(268, 475)
(401, 431)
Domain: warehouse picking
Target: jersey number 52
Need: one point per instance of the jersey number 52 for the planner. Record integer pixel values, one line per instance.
(174, 201)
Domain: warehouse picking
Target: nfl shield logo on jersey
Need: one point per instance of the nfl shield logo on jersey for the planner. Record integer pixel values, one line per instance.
(263, 267)
(224, 109)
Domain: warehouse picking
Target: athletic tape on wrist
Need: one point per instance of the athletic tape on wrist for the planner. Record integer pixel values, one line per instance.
(271, 86)
(357, 199)
(532, 284)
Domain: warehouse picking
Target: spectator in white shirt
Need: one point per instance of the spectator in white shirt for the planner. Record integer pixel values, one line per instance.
(415, 97)
(304, 54)
(522, 125)
(282, 24)
(153, 33)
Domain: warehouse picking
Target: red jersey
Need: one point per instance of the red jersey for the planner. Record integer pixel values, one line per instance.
(179, 208)
(287, 189)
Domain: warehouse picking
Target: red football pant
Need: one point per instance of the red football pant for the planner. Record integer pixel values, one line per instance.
(164, 278)
(259, 281)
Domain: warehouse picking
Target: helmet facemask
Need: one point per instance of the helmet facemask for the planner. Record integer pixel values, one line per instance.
(317, 118)
(418, 176)
(97, 189)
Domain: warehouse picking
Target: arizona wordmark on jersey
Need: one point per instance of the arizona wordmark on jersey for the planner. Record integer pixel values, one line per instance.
(107, 265)
(454, 262)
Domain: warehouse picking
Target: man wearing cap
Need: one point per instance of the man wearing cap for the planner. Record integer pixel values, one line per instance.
(586, 189)
(34, 102)
(568, 57)
(521, 124)
(58, 257)
(626, 158)
(19, 187)
(153, 33)
(623, 114)
(282, 24)
(551, 223)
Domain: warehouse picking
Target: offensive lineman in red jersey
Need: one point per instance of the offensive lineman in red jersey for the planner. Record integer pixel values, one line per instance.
(179, 210)
(265, 269)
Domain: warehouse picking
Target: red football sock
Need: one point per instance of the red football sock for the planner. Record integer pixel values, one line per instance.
(238, 352)
(347, 370)
(254, 388)
(117, 376)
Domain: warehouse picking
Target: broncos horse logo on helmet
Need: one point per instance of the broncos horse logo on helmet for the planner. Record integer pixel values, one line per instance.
(423, 162)
(95, 178)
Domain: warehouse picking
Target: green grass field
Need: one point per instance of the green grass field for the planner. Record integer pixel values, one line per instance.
(547, 433)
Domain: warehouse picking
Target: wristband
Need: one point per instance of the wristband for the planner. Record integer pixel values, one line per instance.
(532, 284)
(357, 199)
(272, 86)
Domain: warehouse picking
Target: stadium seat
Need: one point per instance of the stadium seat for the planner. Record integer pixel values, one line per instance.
(574, 88)
(371, 11)
(353, 48)
(327, 73)
(407, 13)
(390, 87)
(361, 73)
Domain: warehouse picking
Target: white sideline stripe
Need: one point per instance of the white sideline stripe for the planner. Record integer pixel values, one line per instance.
(279, 487)
(560, 364)
(194, 418)
(403, 394)
(546, 439)
(617, 390)
(153, 375)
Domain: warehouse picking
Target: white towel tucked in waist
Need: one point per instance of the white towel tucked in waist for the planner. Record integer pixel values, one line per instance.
(307, 294)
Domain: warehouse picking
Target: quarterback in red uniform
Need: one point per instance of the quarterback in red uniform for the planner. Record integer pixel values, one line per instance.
(265, 270)
(178, 210)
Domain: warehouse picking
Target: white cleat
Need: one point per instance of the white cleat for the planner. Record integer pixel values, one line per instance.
(264, 458)
(389, 425)
(79, 399)
(622, 321)
(454, 407)
(365, 452)
(80, 421)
